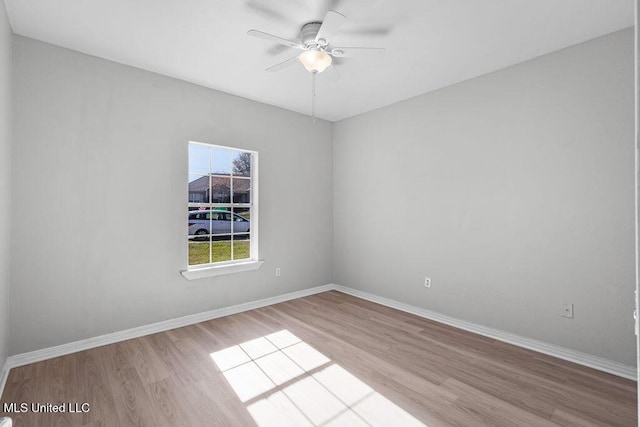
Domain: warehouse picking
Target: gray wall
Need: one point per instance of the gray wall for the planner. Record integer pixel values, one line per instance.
(513, 191)
(5, 176)
(99, 196)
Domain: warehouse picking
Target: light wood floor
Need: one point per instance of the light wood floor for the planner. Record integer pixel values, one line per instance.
(328, 359)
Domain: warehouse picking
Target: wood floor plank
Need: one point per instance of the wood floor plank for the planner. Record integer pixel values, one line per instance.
(148, 365)
(95, 388)
(133, 403)
(491, 411)
(326, 358)
(569, 420)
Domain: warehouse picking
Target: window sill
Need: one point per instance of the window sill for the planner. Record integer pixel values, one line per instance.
(219, 270)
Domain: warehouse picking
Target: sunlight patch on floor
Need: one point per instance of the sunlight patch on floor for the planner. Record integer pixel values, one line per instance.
(286, 382)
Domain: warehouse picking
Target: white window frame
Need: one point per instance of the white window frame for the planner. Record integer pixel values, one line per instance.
(235, 266)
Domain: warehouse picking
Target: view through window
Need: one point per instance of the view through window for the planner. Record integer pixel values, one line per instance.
(221, 208)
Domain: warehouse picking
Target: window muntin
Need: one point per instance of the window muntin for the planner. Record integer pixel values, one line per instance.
(221, 205)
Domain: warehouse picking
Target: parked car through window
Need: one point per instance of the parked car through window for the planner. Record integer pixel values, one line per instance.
(205, 222)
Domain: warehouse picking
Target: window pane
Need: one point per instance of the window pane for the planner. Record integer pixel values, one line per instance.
(241, 246)
(241, 222)
(221, 161)
(220, 220)
(220, 189)
(199, 224)
(199, 252)
(198, 189)
(199, 159)
(241, 190)
(221, 250)
(241, 163)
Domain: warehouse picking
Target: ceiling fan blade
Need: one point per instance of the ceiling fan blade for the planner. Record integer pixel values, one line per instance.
(330, 26)
(339, 52)
(332, 4)
(276, 49)
(267, 11)
(369, 31)
(271, 37)
(332, 73)
(284, 64)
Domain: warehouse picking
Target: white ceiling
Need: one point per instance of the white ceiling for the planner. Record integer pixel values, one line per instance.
(430, 43)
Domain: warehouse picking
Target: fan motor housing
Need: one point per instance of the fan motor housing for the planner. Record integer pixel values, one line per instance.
(308, 35)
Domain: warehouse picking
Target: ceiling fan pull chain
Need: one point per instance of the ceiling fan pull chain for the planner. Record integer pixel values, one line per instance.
(313, 96)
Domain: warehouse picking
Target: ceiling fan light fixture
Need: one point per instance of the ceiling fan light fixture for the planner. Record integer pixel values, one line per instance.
(315, 61)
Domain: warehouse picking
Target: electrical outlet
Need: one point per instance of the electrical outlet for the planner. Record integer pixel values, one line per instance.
(567, 310)
(277, 271)
(427, 282)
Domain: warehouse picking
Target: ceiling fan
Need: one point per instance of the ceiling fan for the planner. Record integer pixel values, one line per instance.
(315, 42)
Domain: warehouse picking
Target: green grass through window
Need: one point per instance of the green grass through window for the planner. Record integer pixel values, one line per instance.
(221, 251)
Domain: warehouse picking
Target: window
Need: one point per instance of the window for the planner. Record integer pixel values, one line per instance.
(222, 217)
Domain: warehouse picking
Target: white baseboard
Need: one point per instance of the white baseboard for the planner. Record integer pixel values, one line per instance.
(580, 358)
(86, 344)
(539, 346)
